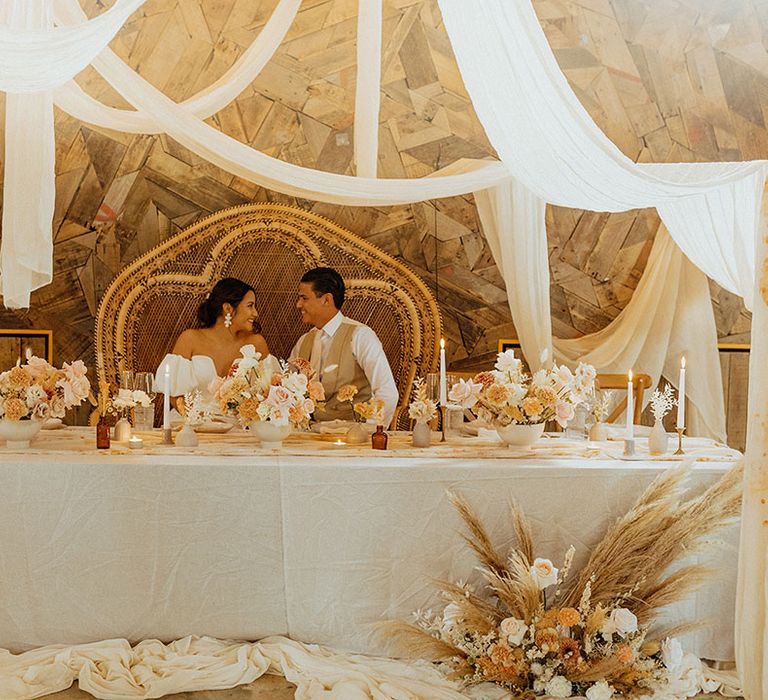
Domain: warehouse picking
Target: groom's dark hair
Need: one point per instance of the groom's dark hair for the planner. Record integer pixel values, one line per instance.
(325, 280)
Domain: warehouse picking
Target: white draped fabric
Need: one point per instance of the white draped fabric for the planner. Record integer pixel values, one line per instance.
(113, 670)
(547, 140)
(73, 100)
(669, 314)
(34, 58)
(368, 87)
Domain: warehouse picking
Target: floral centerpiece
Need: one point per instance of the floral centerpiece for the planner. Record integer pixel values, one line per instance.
(261, 389)
(37, 390)
(537, 630)
(661, 404)
(509, 396)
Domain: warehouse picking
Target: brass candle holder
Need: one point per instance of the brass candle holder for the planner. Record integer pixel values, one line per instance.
(629, 447)
(167, 437)
(442, 423)
(680, 432)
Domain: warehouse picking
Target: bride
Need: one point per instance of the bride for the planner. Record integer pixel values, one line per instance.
(228, 321)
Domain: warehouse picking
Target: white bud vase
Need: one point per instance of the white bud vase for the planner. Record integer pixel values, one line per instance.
(122, 430)
(422, 434)
(186, 437)
(658, 439)
(598, 432)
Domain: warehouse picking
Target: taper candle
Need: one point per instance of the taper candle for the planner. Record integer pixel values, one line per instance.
(681, 395)
(443, 383)
(167, 398)
(630, 409)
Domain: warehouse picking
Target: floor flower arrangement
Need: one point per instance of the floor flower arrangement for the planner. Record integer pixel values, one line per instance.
(539, 630)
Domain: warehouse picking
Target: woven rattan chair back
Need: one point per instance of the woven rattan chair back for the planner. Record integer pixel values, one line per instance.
(269, 246)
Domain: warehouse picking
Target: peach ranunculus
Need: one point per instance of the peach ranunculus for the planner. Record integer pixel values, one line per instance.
(497, 394)
(346, 392)
(276, 379)
(247, 410)
(303, 366)
(15, 409)
(316, 391)
(568, 617)
(19, 378)
(532, 406)
(624, 653)
(309, 406)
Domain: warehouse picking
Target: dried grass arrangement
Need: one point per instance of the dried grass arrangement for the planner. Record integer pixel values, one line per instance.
(536, 630)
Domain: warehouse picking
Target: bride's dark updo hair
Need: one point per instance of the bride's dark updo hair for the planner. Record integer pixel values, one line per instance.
(226, 291)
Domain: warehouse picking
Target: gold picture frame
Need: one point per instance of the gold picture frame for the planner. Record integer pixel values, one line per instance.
(508, 344)
(14, 343)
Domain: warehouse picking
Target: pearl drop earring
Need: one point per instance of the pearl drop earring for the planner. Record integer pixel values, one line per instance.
(227, 319)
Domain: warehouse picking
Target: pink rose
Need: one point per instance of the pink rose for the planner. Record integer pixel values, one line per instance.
(279, 397)
(563, 412)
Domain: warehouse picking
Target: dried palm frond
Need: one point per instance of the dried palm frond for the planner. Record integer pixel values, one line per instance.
(650, 599)
(603, 669)
(480, 608)
(655, 532)
(522, 529)
(478, 538)
(683, 628)
(411, 642)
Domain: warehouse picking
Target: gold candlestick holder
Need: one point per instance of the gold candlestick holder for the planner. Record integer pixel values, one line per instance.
(167, 437)
(442, 423)
(680, 432)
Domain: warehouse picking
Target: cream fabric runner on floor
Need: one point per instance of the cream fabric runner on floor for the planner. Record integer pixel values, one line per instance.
(113, 670)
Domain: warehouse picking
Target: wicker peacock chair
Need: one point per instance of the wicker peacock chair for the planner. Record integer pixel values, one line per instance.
(270, 246)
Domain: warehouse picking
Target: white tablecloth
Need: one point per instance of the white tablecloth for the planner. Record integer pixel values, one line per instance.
(314, 542)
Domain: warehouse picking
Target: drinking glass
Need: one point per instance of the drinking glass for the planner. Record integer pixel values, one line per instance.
(144, 415)
(433, 386)
(126, 379)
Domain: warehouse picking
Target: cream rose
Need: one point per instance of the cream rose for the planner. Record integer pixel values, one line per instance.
(513, 630)
(465, 393)
(624, 621)
(672, 655)
(560, 687)
(544, 573)
(600, 691)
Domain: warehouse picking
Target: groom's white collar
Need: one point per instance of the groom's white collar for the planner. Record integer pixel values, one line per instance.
(332, 325)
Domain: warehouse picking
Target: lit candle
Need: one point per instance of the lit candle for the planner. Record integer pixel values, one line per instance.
(167, 398)
(681, 395)
(630, 409)
(339, 443)
(135, 443)
(443, 383)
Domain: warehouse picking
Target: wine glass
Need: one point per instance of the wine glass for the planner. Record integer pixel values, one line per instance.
(145, 415)
(126, 379)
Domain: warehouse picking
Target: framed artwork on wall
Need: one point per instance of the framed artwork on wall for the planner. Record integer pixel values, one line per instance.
(14, 343)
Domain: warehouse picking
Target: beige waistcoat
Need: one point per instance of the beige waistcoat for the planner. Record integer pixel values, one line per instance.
(346, 371)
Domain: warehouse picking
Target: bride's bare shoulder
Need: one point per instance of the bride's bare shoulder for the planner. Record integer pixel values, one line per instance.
(185, 344)
(259, 342)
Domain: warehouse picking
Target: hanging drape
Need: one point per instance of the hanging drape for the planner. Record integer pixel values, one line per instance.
(548, 141)
(669, 314)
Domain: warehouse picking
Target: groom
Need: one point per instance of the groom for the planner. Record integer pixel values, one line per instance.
(340, 350)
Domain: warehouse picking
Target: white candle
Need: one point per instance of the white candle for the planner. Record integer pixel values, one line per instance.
(167, 398)
(443, 383)
(135, 443)
(630, 409)
(681, 395)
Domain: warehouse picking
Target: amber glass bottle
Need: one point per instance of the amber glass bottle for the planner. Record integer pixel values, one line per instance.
(379, 439)
(102, 434)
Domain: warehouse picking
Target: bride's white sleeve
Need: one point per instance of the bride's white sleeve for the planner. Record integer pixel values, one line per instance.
(182, 375)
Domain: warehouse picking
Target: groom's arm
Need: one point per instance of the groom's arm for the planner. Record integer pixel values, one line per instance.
(369, 354)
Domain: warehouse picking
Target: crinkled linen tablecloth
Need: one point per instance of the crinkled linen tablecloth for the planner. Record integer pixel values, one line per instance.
(315, 542)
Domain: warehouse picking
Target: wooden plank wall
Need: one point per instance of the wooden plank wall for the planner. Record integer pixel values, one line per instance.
(667, 80)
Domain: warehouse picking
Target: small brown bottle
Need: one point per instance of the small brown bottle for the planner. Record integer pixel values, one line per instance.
(102, 434)
(379, 439)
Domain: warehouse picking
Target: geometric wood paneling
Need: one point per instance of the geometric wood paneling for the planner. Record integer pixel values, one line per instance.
(666, 81)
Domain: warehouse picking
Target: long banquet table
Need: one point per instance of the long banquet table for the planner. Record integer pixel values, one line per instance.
(314, 542)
